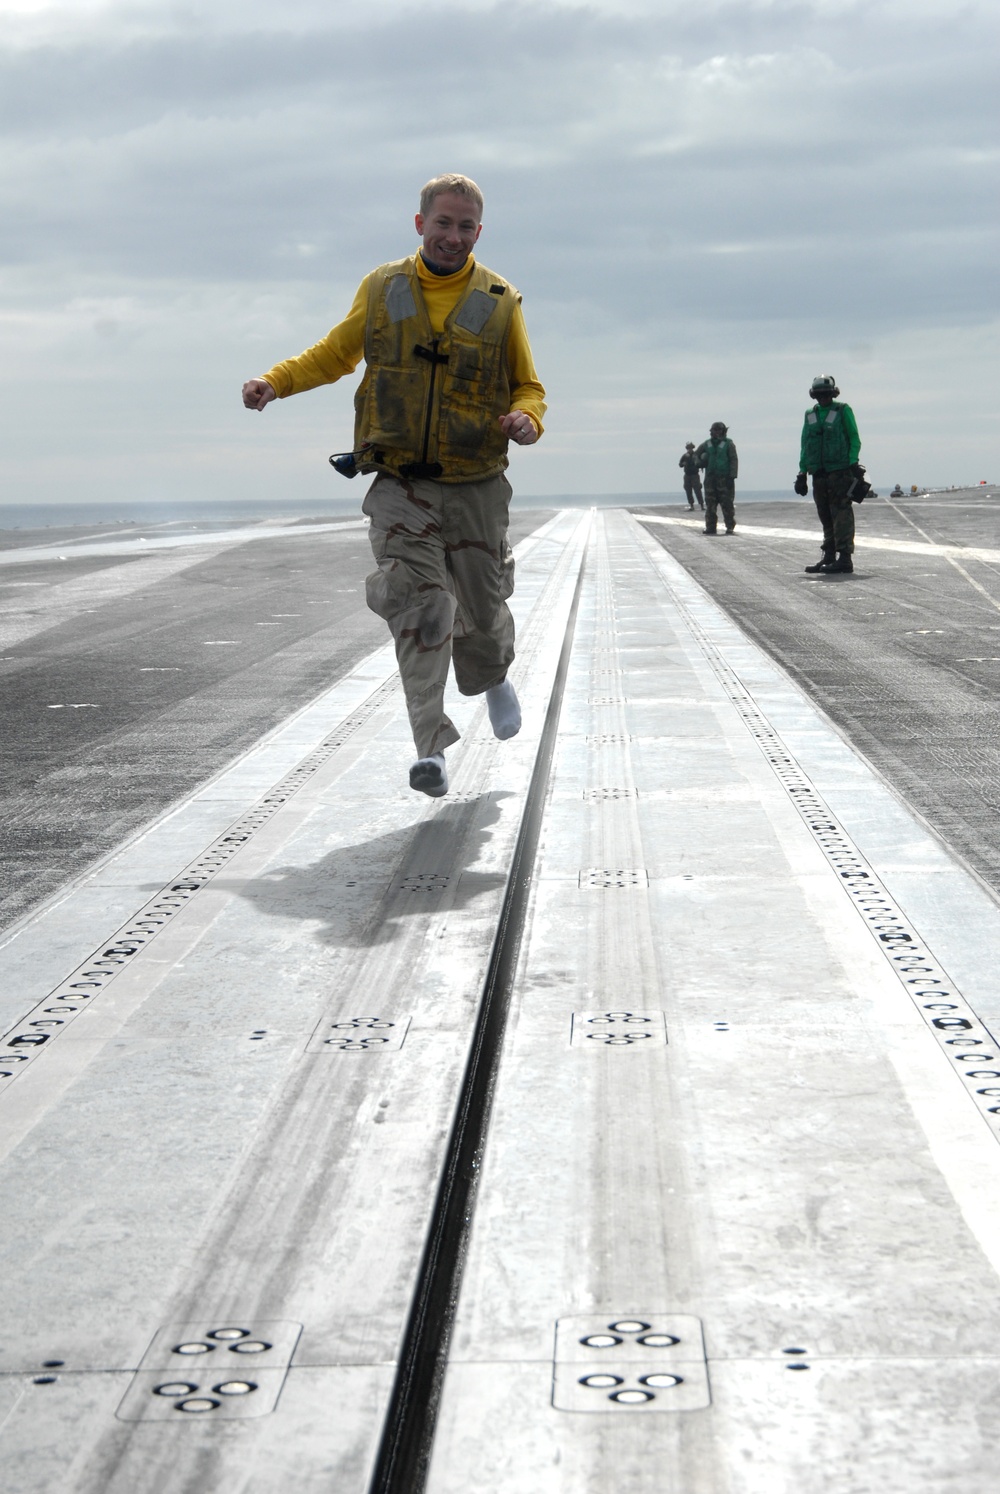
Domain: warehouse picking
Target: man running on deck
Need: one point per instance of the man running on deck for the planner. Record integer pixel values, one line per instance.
(449, 382)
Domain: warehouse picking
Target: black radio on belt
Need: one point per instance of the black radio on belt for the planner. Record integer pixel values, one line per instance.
(346, 462)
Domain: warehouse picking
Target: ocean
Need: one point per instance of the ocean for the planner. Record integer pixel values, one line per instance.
(64, 515)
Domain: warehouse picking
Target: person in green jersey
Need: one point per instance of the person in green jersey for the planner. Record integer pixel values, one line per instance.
(717, 456)
(829, 454)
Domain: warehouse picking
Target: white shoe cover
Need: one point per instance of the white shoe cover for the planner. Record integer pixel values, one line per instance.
(430, 776)
(505, 712)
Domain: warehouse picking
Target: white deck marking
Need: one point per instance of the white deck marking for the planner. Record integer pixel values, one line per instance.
(865, 540)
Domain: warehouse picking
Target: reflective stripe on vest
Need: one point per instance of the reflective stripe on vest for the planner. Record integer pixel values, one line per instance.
(825, 440)
(717, 457)
(399, 302)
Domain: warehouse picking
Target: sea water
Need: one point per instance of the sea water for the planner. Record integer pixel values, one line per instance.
(229, 511)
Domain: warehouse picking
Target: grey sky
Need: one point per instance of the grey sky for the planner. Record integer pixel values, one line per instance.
(703, 205)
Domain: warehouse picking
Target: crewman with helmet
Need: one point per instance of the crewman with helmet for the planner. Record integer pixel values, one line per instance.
(829, 453)
(692, 477)
(717, 456)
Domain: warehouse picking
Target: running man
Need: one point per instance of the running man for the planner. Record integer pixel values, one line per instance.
(449, 381)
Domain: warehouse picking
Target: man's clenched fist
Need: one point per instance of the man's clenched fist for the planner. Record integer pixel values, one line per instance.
(257, 394)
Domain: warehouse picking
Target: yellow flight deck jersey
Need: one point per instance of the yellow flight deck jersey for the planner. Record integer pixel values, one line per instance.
(344, 346)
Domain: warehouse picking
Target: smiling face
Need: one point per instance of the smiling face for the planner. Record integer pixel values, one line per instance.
(449, 230)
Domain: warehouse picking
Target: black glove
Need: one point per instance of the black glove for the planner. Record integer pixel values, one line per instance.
(802, 485)
(860, 488)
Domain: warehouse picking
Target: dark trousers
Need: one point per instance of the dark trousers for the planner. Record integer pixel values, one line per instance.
(835, 509)
(720, 492)
(692, 489)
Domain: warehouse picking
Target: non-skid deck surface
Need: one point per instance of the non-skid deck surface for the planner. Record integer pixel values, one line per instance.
(738, 1223)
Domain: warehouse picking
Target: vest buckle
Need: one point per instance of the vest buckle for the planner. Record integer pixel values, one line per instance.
(429, 470)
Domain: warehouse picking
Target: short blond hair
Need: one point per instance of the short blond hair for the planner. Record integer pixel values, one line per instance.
(464, 186)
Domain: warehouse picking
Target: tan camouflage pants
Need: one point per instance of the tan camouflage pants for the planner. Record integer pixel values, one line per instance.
(444, 574)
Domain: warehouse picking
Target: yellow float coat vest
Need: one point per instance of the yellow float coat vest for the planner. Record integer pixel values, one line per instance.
(429, 404)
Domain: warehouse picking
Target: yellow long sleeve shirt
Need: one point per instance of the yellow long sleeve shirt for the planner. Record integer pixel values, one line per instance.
(343, 347)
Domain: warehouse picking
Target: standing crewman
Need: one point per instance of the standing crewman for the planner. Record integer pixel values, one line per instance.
(718, 457)
(829, 452)
(449, 381)
(692, 478)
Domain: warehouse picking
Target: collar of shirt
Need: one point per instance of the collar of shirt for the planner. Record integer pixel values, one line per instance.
(430, 274)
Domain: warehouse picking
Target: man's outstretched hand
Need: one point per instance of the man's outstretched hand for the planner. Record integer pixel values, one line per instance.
(257, 394)
(519, 427)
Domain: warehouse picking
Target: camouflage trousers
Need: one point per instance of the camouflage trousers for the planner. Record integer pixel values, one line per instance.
(444, 573)
(835, 509)
(720, 492)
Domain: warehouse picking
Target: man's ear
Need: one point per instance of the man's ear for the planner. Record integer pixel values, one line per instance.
(419, 224)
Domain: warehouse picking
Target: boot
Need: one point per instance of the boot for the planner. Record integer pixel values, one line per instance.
(826, 559)
(843, 565)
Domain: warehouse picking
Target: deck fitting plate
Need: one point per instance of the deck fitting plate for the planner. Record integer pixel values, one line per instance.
(359, 1035)
(216, 1371)
(607, 877)
(620, 1362)
(619, 1029)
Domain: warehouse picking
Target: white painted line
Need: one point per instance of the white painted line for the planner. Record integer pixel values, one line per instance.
(175, 541)
(921, 878)
(788, 1167)
(865, 541)
(126, 953)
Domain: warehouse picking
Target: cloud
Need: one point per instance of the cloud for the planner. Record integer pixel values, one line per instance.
(678, 190)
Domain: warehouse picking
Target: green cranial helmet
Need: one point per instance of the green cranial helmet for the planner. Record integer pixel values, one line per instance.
(823, 384)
